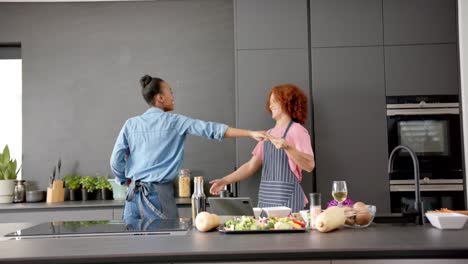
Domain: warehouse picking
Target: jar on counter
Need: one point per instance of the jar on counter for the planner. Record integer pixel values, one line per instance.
(19, 195)
(183, 184)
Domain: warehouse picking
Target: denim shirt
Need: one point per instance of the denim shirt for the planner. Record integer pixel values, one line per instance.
(150, 147)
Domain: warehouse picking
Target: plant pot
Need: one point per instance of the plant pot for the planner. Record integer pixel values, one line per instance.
(86, 196)
(106, 194)
(66, 194)
(75, 195)
(7, 188)
(98, 194)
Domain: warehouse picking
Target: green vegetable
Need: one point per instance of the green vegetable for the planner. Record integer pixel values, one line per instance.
(249, 223)
(242, 223)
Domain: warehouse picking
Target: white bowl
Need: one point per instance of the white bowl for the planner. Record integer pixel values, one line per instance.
(447, 220)
(281, 211)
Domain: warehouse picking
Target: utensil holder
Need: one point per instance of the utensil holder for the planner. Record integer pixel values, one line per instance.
(56, 193)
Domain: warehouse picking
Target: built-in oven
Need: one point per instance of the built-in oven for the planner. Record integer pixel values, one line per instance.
(430, 126)
(435, 194)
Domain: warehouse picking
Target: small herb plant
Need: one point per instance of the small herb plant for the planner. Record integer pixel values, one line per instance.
(72, 182)
(7, 166)
(88, 183)
(103, 183)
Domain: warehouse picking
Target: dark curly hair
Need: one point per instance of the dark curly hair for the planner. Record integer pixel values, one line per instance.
(292, 99)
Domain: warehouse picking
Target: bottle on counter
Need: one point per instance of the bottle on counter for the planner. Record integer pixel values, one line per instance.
(198, 198)
(19, 192)
(183, 184)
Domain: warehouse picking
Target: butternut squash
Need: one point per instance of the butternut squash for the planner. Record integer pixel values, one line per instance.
(330, 219)
(205, 221)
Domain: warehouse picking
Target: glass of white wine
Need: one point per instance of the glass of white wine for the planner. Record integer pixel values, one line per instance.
(339, 192)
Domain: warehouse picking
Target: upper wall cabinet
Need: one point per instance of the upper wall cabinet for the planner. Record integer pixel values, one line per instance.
(421, 69)
(419, 21)
(345, 23)
(270, 24)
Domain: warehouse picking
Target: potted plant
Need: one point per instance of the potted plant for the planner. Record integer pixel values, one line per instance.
(73, 183)
(105, 187)
(8, 174)
(88, 187)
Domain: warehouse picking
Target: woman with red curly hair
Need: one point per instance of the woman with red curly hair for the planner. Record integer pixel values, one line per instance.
(284, 154)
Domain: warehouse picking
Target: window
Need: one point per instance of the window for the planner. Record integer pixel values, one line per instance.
(11, 102)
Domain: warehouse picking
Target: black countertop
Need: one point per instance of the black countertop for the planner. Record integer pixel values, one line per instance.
(379, 241)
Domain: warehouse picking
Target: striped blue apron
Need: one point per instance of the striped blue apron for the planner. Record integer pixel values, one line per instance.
(279, 186)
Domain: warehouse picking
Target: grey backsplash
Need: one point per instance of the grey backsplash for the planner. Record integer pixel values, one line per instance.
(81, 66)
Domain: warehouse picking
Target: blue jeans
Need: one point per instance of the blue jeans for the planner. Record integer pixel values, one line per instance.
(150, 201)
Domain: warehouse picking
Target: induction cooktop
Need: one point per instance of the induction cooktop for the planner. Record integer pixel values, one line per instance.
(177, 226)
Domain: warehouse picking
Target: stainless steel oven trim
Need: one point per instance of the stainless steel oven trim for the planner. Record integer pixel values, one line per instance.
(427, 181)
(424, 111)
(426, 188)
(423, 105)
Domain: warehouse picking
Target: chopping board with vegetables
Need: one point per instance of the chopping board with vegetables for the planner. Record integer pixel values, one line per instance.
(250, 225)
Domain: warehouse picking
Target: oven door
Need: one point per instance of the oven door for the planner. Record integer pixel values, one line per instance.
(434, 135)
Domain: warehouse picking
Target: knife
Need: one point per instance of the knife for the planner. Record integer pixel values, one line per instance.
(59, 165)
(52, 178)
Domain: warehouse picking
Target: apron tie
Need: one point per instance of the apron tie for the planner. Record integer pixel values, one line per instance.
(143, 188)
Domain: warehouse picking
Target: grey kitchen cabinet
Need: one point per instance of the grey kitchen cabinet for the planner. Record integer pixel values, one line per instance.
(419, 21)
(185, 211)
(350, 123)
(270, 24)
(257, 72)
(70, 214)
(421, 69)
(118, 214)
(73, 214)
(345, 23)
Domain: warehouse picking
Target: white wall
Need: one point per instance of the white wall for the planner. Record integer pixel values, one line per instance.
(463, 44)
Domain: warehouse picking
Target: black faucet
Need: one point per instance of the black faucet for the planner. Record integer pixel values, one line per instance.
(417, 211)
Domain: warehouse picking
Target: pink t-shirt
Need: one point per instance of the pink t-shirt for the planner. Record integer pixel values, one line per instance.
(297, 136)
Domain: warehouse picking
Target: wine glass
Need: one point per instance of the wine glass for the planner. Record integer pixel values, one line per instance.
(339, 192)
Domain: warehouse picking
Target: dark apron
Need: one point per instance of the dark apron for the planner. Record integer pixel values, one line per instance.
(279, 186)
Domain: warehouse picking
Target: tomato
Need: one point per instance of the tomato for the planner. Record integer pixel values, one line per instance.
(300, 223)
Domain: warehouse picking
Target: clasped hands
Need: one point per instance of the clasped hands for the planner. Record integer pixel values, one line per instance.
(278, 142)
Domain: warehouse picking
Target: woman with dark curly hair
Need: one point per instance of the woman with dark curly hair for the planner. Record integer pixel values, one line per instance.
(286, 152)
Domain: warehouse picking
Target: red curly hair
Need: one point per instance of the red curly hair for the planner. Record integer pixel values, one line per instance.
(292, 100)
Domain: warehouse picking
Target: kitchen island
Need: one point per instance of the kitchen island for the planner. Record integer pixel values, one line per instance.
(388, 242)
